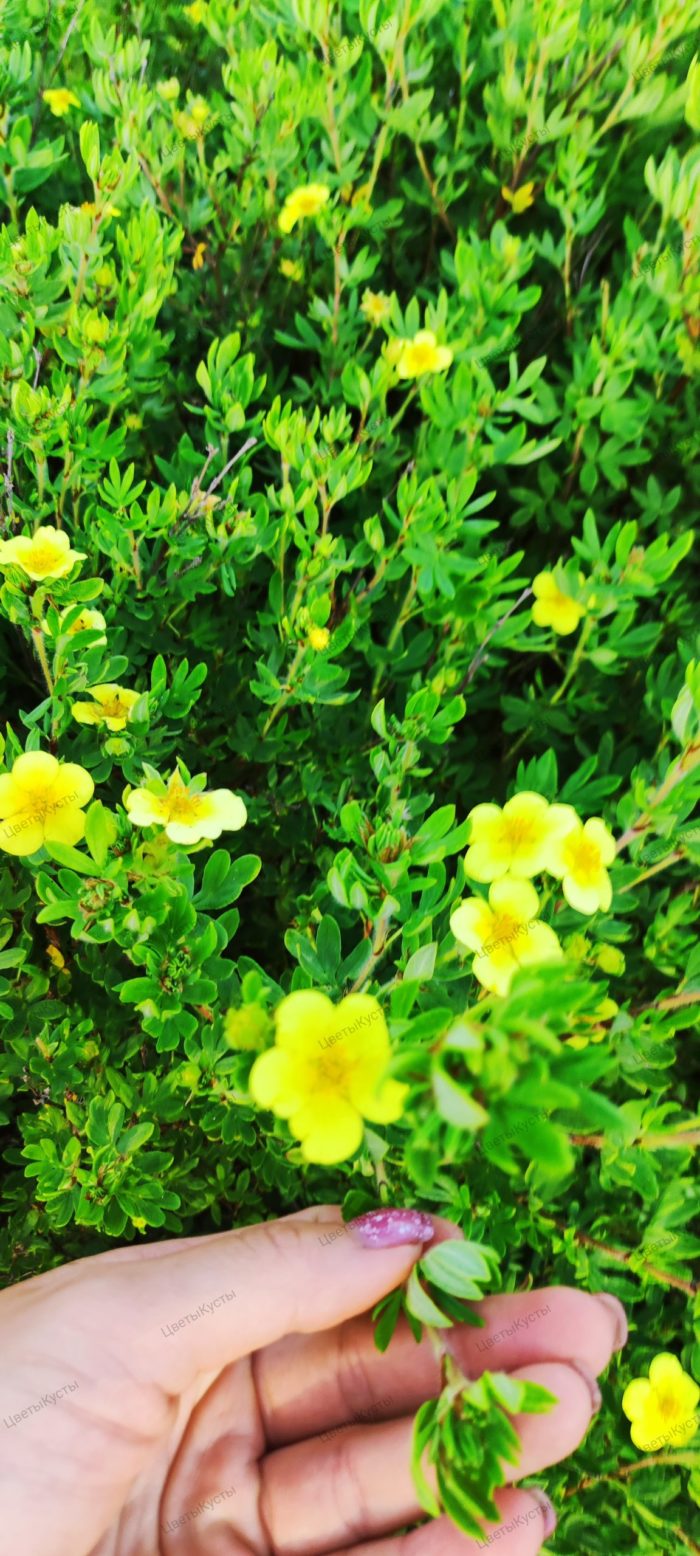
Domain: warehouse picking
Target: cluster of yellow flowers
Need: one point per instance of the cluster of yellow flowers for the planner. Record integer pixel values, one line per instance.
(527, 837)
(42, 798)
(42, 801)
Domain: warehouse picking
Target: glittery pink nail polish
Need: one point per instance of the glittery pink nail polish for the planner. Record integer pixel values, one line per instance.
(392, 1227)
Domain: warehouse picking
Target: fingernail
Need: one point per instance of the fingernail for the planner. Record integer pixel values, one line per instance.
(391, 1227)
(615, 1307)
(590, 1381)
(549, 1517)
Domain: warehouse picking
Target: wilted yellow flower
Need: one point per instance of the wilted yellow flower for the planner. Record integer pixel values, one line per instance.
(188, 817)
(605, 1010)
(59, 99)
(578, 853)
(505, 933)
(519, 199)
(327, 1072)
(662, 1407)
(511, 841)
(553, 608)
(41, 799)
(95, 327)
(319, 638)
(423, 355)
(198, 257)
(112, 706)
(247, 1028)
(87, 621)
(376, 307)
(305, 201)
(45, 554)
(292, 269)
(610, 960)
(193, 121)
(56, 957)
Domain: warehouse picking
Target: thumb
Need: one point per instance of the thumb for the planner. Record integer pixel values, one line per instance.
(202, 1307)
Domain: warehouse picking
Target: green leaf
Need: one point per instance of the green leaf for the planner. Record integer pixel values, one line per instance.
(457, 1266)
(422, 1306)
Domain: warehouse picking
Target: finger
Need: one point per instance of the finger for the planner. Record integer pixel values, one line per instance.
(527, 1518)
(308, 1384)
(195, 1311)
(357, 1482)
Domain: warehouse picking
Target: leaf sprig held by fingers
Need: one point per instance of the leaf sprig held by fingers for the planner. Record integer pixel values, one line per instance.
(465, 1434)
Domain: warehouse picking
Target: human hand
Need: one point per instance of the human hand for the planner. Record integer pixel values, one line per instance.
(190, 1421)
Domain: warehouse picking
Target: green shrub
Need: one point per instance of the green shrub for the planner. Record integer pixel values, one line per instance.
(313, 572)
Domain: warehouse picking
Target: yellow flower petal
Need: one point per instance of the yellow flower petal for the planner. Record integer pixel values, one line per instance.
(272, 1085)
(302, 1019)
(145, 809)
(665, 1371)
(65, 825)
(330, 1130)
(471, 922)
(514, 897)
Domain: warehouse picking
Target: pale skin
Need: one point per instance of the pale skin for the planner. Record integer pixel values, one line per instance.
(168, 1416)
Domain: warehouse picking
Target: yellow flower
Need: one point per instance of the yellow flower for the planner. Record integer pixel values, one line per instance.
(662, 1407)
(520, 199)
(133, 422)
(111, 706)
(56, 957)
(247, 1028)
(292, 269)
(553, 608)
(192, 121)
(104, 276)
(187, 817)
(511, 249)
(169, 89)
(305, 201)
(198, 258)
(578, 853)
(505, 933)
(87, 621)
(196, 12)
(326, 1072)
(375, 306)
(60, 100)
(45, 554)
(423, 355)
(89, 207)
(41, 800)
(319, 638)
(511, 841)
(95, 327)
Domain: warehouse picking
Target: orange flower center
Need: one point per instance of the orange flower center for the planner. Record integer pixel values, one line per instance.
(183, 806)
(44, 556)
(422, 356)
(308, 204)
(114, 708)
(504, 931)
(518, 832)
(583, 859)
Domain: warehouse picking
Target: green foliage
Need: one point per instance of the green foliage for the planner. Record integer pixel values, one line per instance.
(316, 577)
